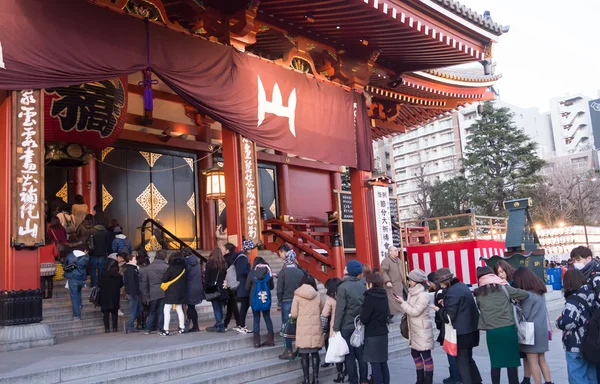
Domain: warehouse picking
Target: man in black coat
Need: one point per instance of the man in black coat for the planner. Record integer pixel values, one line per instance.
(101, 241)
(194, 289)
(133, 291)
(152, 292)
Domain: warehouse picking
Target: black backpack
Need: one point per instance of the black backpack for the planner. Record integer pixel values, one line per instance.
(590, 345)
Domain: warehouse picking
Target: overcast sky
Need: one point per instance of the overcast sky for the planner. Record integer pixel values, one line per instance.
(552, 49)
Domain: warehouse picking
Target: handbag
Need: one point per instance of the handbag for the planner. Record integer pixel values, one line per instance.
(288, 330)
(404, 326)
(60, 247)
(358, 336)
(95, 296)
(549, 326)
(212, 292)
(525, 329)
(450, 345)
(165, 286)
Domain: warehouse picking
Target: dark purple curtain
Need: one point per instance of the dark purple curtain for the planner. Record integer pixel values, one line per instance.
(64, 42)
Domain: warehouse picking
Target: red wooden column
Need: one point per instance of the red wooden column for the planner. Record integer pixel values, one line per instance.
(336, 185)
(86, 179)
(208, 217)
(283, 186)
(233, 200)
(364, 217)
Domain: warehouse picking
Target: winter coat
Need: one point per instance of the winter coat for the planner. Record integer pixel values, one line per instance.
(84, 230)
(391, 271)
(80, 259)
(152, 280)
(534, 310)
(57, 236)
(495, 309)
(131, 279)
(212, 275)
(144, 282)
(79, 212)
(242, 268)
(176, 292)
(194, 287)
(110, 285)
(288, 280)
(574, 318)
(375, 312)
(460, 306)
(260, 273)
(420, 327)
(440, 296)
(102, 241)
(306, 309)
(329, 312)
(349, 303)
(121, 242)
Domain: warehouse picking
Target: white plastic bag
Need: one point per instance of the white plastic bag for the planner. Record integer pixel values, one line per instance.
(526, 332)
(338, 349)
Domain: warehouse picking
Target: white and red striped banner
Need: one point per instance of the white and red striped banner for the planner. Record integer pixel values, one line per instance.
(462, 258)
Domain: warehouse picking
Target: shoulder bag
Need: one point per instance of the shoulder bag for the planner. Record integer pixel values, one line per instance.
(212, 292)
(358, 336)
(525, 329)
(165, 286)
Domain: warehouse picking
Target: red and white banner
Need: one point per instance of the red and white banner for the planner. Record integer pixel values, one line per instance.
(462, 258)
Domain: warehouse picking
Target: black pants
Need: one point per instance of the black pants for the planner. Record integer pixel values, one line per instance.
(115, 318)
(469, 373)
(244, 305)
(47, 286)
(155, 315)
(355, 355)
(232, 309)
(513, 375)
(192, 315)
(381, 373)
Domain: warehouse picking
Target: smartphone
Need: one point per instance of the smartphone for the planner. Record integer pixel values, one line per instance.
(396, 296)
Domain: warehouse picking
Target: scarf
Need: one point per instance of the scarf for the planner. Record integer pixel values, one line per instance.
(491, 279)
(589, 267)
(290, 258)
(264, 266)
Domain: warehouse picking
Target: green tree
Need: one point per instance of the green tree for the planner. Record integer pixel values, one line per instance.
(346, 180)
(449, 197)
(500, 160)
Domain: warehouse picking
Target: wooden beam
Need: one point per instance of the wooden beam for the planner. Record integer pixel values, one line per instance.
(173, 142)
(389, 126)
(162, 125)
(160, 95)
(281, 159)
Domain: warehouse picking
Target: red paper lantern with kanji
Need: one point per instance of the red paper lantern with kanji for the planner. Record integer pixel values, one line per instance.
(83, 118)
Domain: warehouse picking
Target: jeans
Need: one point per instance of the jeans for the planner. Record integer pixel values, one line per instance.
(155, 315)
(453, 368)
(232, 309)
(286, 309)
(356, 354)
(580, 371)
(96, 267)
(218, 310)
(381, 373)
(469, 373)
(244, 305)
(256, 326)
(135, 308)
(75, 287)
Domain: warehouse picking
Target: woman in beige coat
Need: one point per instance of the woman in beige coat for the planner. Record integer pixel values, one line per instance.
(306, 309)
(420, 329)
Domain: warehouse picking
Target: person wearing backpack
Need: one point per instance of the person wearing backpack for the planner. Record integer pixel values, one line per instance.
(242, 268)
(75, 272)
(573, 321)
(121, 243)
(260, 284)
(67, 220)
(306, 309)
(232, 307)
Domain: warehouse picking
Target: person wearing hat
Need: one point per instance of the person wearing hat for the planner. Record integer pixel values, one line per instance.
(420, 330)
(496, 317)
(349, 303)
(460, 308)
(242, 269)
(121, 243)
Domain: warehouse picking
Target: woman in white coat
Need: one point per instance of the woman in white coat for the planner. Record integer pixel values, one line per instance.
(420, 329)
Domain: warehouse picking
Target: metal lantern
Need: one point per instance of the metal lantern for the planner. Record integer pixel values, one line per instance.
(215, 184)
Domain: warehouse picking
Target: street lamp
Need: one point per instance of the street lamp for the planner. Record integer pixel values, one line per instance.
(587, 242)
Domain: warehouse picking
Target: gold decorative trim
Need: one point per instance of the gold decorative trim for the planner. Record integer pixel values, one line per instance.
(271, 173)
(153, 245)
(105, 152)
(150, 157)
(191, 203)
(151, 201)
(63, 194)
(222, 206)
(106, 197)
(273, 209)
(190, 162)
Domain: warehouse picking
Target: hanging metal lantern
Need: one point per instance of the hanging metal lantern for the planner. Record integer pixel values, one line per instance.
(215, 184)
(81, 119)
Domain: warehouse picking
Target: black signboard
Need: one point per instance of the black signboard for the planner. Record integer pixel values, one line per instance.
(346, 204)
(349, 241)
(395, 222)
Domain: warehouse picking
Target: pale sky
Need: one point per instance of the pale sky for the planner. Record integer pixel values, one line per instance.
(552, 49)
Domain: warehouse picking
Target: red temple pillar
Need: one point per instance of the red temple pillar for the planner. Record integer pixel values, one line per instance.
(233, 200)
(364, 218)
(208, 217)
(283, 186)
(336, 185)
(85, 183)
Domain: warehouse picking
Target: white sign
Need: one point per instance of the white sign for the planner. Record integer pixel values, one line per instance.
(383, 220)
(275, 106)
(250, 190)
(1, 57)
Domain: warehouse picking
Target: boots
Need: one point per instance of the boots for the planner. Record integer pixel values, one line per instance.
(270, 340)
(288, 354)
(428, 377)
(305, 361)
(420, 376)
(257, 340)
(315, 364)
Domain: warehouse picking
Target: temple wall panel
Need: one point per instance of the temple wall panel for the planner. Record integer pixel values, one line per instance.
(310, 193)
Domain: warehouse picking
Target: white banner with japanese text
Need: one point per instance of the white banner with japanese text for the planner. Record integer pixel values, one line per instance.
(383, 220)
(27, 178)
(250, 200)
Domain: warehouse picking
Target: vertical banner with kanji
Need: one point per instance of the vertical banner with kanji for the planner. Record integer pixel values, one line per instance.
(383, 220)
(27, 183)
(250, 201)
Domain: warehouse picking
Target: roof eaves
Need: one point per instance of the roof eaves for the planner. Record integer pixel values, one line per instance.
(471, 16)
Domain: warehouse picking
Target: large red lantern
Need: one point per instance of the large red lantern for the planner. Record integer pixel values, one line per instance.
(81, 119)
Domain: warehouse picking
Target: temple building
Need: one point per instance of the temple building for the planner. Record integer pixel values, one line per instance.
(176, 116)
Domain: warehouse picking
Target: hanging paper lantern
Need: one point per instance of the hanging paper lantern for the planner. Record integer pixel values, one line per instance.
(83, 118)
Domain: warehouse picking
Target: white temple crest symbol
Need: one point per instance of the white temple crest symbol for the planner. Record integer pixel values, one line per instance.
(275, 106)
(1, 58)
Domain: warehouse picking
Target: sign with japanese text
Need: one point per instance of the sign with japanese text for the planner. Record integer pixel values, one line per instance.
(250, 201)
(383, 220)
(27, 183)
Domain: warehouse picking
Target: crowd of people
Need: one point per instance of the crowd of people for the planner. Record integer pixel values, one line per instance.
(373, 298)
